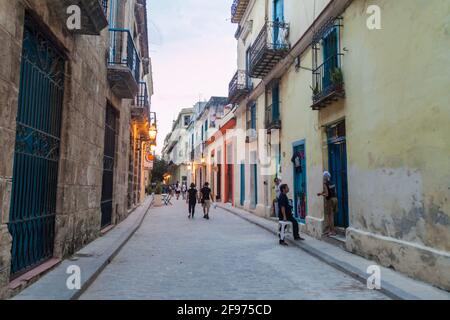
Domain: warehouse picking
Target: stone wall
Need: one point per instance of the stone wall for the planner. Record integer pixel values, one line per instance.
(11, 13)
(82, 137)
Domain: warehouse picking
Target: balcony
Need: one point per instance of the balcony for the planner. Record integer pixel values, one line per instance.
(238, 9)
(140, 106)
(93, 14)
(269, 48)
(239, 87)
(328, 83)
(273, 120)
(123, 64)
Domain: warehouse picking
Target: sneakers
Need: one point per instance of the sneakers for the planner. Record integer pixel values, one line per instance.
(283, 243)
(299, 238)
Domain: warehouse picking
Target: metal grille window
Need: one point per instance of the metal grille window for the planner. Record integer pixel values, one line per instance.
(35, 176)
(108, 166)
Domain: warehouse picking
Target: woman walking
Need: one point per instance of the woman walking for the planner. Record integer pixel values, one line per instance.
(192, 200)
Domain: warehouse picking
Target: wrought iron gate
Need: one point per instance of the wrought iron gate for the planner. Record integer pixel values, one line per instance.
(108, 166)
(35, 175)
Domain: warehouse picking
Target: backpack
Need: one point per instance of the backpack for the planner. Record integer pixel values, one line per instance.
(331, 191)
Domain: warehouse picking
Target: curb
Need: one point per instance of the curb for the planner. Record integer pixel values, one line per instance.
(91, 279)
(52, 286)
(387, 288)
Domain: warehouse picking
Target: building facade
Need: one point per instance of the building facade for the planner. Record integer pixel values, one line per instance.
(320, 87)
(66, 98)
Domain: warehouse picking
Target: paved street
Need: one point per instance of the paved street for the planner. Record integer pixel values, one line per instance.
(171, 257)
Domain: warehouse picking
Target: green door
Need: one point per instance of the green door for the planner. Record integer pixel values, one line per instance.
(300, 191)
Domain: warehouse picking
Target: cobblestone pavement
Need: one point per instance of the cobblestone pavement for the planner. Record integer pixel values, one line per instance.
(172, 257)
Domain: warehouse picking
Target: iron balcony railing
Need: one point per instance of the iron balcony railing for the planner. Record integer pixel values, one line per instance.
(238, 9)
(327, 78)
(239, 86)
(269, 47)
(273, 120)
(123, 51)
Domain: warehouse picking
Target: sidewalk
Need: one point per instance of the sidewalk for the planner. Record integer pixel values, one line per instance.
(393, 284)
(91, 260)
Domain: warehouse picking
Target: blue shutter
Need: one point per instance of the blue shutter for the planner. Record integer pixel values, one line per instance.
(276, 103)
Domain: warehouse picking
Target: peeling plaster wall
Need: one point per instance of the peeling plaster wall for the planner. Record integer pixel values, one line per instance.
(397, 113)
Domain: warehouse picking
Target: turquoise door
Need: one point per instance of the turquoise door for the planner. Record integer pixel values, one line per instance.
(255, 181)
(300, 191)
(242, 183)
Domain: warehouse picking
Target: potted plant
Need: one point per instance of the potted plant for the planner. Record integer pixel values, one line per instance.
(337, 78)
(315, 90)
(158, 195)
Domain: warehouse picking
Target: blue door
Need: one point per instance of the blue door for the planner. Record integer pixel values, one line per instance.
(337, 154)
(275, 103)
(37, 147)
(255, 181)
(300, 191)
(278, 19)
(242, 183)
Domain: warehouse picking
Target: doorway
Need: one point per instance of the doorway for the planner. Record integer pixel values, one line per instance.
(337, 161)
(108, 166)
(242, 184)
(37, 151)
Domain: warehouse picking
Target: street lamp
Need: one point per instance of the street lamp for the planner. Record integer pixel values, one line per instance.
(153, 132)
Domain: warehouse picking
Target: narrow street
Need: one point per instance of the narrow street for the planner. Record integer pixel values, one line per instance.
(171, 257)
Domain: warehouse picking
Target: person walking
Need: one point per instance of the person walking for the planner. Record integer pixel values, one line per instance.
(286, 213)
(331, 203)
(178, 190)
(192, 200)
(206, 198)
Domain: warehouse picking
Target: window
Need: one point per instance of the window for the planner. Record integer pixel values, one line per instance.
(187, 120)
(330, 55)
(251, 117)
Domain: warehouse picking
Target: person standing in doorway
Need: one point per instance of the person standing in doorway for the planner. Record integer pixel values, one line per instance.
(192, 200)
(331, 202)
(286, 212)
(206, 198)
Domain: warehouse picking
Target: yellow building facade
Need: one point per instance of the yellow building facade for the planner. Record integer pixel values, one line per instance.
(378, 74)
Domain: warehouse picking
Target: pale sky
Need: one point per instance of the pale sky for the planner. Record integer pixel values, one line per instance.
(193, 53)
